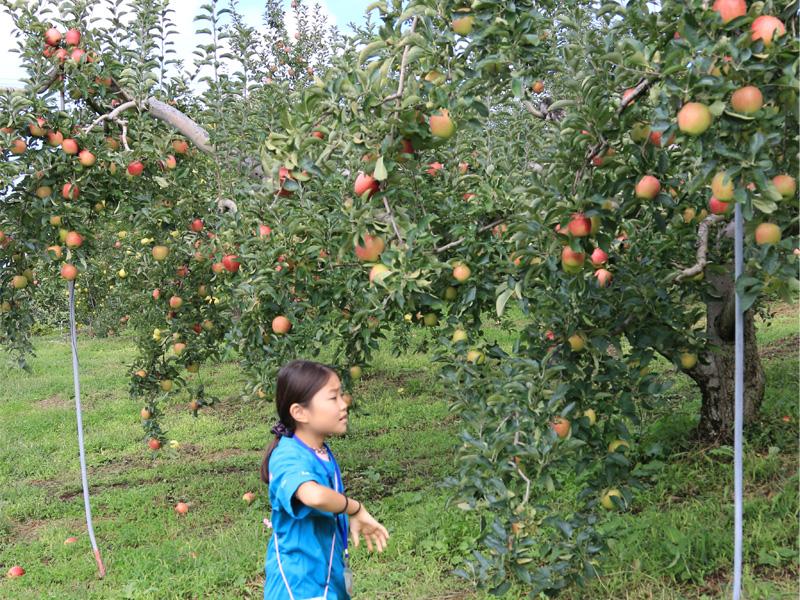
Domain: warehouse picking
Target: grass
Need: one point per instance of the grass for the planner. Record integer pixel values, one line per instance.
(676, 542)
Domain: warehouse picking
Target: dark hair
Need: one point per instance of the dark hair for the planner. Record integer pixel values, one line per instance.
(298, 381)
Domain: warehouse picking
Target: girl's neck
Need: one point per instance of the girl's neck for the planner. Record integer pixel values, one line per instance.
(310, 438)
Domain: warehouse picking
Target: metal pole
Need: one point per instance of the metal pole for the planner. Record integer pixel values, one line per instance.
(76, 380)
(738, 409)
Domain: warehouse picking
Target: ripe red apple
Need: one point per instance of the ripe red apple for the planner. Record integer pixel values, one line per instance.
(248, 497)
(538, 87)
(135, 168)
(441, 125)
(461, 272)
(70, 540)
(318, 134)
(376, 270)
(785, 184)
(181, 508)
(264, 230)
(648, 187)
(717, 206)
(571, 260)
(156, 294)
(76, 55)
(765, 28)
(365, 183)
(62, 54)
(175, 302)
(73, 37)
(180, 146)
(69, 272)
(86, 158)
(37, 129)
(281, 325)
(694, 118)
(170, 162)
(160, 252)
(18, 146)
(604, 277)
(768, 233)
(747, 100)
(182, 271)
(371, 250)
(230, 262)
(217, 267)
(730, 9)
(69, 146)
(73, 240)
(154, 444)
(196, 225)
(580, 225)
(598, 257)
(70, 191)
(54, 138)
(434, 168)
(15, 571)
(178, 347)
(561, 426)
(52, 37)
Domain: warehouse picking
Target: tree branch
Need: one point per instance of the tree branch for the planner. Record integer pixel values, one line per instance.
(702, 248)
(461, 239)
(112, 116)
(403, 66)
(181, 122)
(393, 222)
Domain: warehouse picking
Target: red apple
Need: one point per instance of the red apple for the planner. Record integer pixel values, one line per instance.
(70, 540)
(62, 54)
(371, 250)
(376, 270)
(249, 497)
(785, 184)
(175, 302)
(52, 37)
(598, 257)
(73, 240)
(434, 168)
(717, 206)
(281, 325)
(54, 138)
(181, 508)
(580, 225)
(561, 427)
(180, 146)
(170, 162)
(318, 134)
(73, 37)
(135, 168)
(37, 129)
(694, 118)
(86, 158)
(156, 294)
(747, 100)
(441, 125)
(68, 271)
(196, 225)
(69, 146)
(76, 55)
(603, 277)
(766, 28)
(768, 233)
(461, 272)
(730, 9)
(648, 187)
(722, 186)
(264, 230)
(572, 260)
(365, 183)
(70, 191)
(230, 262)
(537, 87)
(15, 571)
(18, 146)
(217, 267)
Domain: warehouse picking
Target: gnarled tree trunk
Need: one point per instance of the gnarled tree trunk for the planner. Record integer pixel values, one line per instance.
(714, 372)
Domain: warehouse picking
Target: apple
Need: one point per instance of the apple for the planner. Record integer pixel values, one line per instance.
(688, 360)
(538, 87)
(43, 191)
(785, 184)
(476, 357)
(434, 168)
(69, 146)
(376, 270)
(579, 225)
(160, 252)
(182, 271)
(463, 25)
(602, 159)
(86, 158)
(604, 277)
(648, 187)
(689, 215)
(18, 146)
(717, 206)
(461, 272)
(56, 250)
(73, 239)
(730, 9)
(202, 291)
(112, 143)
(722, 186)
(768, 233)
(145, 413)
(19, 281)
(62, 54)
(430, 319)
(231, 263)
(181, 508)
(208, 324)
(365, 183)
(371, 250)
(69, 272)
(572, 260)
(76, 56)
(180, 146)
(459, 335)
(450, 293)
(441, 125)
(639, 132)
(590, 414)
(166, 385)
(170, 162)
(15, 571)
(37, 129)
(154, 444)
(694, 118)
(178, 347)
(217, 267)
(612, 447)
(747, 100)
(561, 426)
(55, 138)
(598, 257)
(70, 540)
(175, 302)
(73, 37)
(264, 230)
(355, 372)
(281, 325)
(607, 501)
(576, 342)
(135, 168)
(52, 37)
(248, 497)
(765, 28)
(193, 367)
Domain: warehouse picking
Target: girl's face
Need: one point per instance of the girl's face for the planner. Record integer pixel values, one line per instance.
(327, 412)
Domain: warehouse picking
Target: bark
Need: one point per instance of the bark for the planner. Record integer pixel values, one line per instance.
(714, 372)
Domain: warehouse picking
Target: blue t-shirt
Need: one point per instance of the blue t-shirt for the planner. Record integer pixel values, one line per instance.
(304, 533)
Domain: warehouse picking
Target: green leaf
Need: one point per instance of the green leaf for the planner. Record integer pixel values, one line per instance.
(380, 170)
(764, 205)
(717, 108)
(502, 299)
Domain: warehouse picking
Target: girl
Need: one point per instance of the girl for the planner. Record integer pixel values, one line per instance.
(307, 556)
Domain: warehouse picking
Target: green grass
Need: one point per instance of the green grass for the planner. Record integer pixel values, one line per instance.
(676, 542)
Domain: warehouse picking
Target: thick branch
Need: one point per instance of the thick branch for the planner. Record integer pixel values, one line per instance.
(702, 247)
(112, 116)
(181, 122)
(639, 89)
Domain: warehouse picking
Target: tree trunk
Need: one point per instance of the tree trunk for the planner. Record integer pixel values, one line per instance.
(714, 372)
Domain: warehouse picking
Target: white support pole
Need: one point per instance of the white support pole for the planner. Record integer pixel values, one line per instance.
(76, 381)
(738, 408)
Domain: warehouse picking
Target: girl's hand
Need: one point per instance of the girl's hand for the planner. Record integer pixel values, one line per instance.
(365, 524)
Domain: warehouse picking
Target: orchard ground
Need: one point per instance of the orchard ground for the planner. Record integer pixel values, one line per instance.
(675, 542)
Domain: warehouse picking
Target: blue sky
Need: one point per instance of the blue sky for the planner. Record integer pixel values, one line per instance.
(342, 12)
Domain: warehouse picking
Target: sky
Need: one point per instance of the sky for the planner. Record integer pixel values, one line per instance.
(340, 13)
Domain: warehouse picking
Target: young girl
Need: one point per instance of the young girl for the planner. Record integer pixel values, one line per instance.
(307, 556)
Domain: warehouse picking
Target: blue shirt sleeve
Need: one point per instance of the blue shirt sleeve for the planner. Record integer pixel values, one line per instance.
(289, 473)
